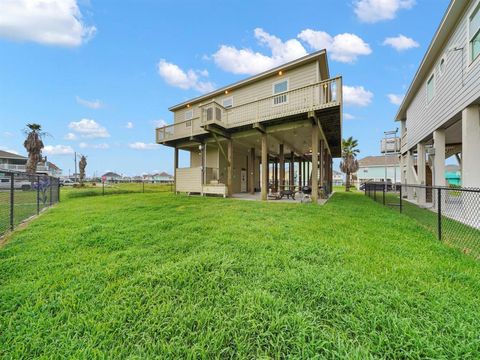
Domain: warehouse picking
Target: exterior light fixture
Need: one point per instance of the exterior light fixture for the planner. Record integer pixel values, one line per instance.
(226, 92)
(280, 73)
(188, 105)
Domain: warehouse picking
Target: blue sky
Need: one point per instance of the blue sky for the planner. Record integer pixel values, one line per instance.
(99, 75)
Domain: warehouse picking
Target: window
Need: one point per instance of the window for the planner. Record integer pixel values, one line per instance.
(474, 33)
(188, 118)
(280, 88)
(430, 88)
(227, 103)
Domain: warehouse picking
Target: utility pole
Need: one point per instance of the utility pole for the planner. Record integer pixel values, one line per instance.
(75, 174)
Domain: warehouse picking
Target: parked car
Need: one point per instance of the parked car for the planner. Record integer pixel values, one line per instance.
(67, 182)
(17, 185)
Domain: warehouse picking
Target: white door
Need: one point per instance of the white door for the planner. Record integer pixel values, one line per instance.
(243, 180)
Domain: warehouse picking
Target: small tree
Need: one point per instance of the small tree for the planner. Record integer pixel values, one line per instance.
(82, 165)
(34, 145)
(349, 163)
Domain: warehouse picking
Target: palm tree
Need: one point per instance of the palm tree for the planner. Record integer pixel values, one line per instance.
(349, 163)
(82, 165)
(34, 145)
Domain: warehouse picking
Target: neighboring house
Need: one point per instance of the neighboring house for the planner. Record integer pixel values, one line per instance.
(337, 178)
(440, 113)
(453, 175)
(372, 168)
(14, 162)
(112, 177)
(240, 136)
(162, 178)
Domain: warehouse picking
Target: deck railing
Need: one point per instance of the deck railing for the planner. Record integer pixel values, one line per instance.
(306, 98)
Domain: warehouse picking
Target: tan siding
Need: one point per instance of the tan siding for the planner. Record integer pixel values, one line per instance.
(301, 76)
(189, 179)
(455, 89)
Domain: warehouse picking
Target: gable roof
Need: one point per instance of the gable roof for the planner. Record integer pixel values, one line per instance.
(391, 160)
(321, 54)
(111, 174)
(9, 155)
(444, 30)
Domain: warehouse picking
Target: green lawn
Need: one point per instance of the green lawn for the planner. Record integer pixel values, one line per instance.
(157, 275)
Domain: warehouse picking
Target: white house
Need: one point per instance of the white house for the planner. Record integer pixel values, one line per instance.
(372, 168)
(440, 114)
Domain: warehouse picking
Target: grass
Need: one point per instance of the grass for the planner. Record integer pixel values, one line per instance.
(163, 276)
(463, 237)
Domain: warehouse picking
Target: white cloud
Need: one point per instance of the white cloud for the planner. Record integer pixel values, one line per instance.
(58, 150)
(344, 47)
(4, 148)
(102, 146)
(356, 96)
(348, 116)
(401, 42)
(92, 104)
(88, 128)
(159, 123)
(142, 146)
(129, 125)
(396, 99)
(70, 136)
(372, 11)
(190, 79)
(247, 61)
(7, 134)
(51, 22)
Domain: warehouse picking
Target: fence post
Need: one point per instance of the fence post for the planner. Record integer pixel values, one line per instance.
(375, 193)
(143, 187)
(401, 203)
(38, 194)
(103, 187)
(384, 195)
(51, 190)
(12, 199)
(58, 190)
(439, 209)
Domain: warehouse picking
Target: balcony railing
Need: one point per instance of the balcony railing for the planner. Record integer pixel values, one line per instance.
(316, 96)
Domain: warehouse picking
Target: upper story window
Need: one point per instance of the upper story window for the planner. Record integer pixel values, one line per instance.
(188, 118)
(430, 88)
(280, 89)
(228, 102)
(474, 33)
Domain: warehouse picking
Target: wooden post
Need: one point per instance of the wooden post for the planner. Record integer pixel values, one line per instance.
(292, 171)
(314, 163)
(300, 178)
(322, 163)
(282, 168)
(268, 171)
(175, 166)
(264, 166)
(252, 170)
(230, 167)
(275, 174)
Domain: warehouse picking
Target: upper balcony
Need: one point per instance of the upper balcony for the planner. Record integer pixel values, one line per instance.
(324, 94)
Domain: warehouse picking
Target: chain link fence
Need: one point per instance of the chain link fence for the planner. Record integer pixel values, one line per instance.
(451, 213)
(114, 188)
(22, 196)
